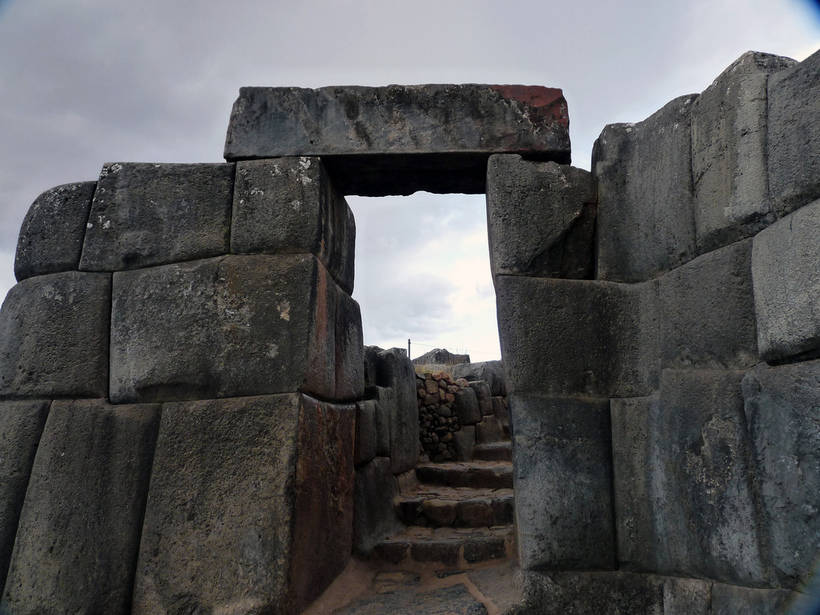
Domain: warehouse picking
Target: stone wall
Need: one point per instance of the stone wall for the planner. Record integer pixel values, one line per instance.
(189, 421)
(665, 402)
(179, 367)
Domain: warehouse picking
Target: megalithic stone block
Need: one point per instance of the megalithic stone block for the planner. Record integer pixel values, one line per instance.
(51, 237)
(632, 480)
(540, 218)
(250, 507)
(289, 205)
(366, 436)
(374, 515)
(349, 348)
(54, 336)
(151, 214)
(400, 139)
(395, 371)
(732, 599)
(729, 134)
(563, 482)
(593, 338)
(794, 135)
(223, 327)
(704, 517)
(21, 423)
(645, 210)
(707, 311)
(79, 533)
(782, 406)
(786, 276)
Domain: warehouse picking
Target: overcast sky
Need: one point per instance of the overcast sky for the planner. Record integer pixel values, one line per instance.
(83, 82)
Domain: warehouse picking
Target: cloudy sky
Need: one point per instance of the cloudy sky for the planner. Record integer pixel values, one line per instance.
(83, 82)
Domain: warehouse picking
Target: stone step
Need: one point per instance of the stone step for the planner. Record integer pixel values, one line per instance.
(480, 474)
(493, 451)
(437, 506)
(447, 545)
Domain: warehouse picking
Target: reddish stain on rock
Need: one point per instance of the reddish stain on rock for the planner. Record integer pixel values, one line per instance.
(548, 103)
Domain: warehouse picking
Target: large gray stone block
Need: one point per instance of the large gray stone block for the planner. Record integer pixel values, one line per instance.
(705, 521)
(786, 275)
(466, 406)
(563, 482)
(491, 372)
(79, 533)
(782, 407)
(289, 205)
(54, 336)
(611, 593)
(707, 311)
(348, 347)
(374, 515)
(729, 136)
(794, 135)
(51, 237)
(150, 214)
(731, 599)
(21, 423)
(250, 508)
(400, 139)
(645, 212)
(365, 448)
(632, 481)
(394, 371)
(540, 218)
(578, 337)
(223, 327)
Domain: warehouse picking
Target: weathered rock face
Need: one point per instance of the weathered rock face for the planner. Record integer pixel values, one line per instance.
(563, 499)
(782, 405)
(645, 218)
(250, 505)
(400, 139)
(729, 134)
(289, 205)
(786, 278)
(79, 533)
(374, 515)
(21, 424)
(51, 237)
(615, 324)
(150, 214)
(275, 312)
(54, 336)
(794, 132)
(491, 372)
(441, 356)
(540, 218)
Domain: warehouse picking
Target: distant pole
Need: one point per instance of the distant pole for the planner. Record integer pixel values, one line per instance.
(408, 347)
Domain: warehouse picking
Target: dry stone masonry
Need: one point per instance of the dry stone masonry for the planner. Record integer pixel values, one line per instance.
(190, 423)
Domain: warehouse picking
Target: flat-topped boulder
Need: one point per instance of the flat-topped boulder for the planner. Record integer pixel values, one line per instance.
(399, 139)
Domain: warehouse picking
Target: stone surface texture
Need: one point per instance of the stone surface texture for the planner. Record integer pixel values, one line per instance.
(223, 327)
(250, 507)
(540, 218)
(79, 533)
(786, 278)
(51, 236)
(707, 311)
(289, 205)
(782, 406)
(645, 214)
(21, 424)
(399, 139)
(794, 135)
(563, 493)
(729, 136)
(491, 372)
(616, 325)
(374, 517)
(150, 214)
(54, 336)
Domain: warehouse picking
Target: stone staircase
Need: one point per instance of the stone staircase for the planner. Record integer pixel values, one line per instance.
(457, 514)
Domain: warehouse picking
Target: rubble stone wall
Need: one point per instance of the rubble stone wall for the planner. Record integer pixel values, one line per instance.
(665, 402)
